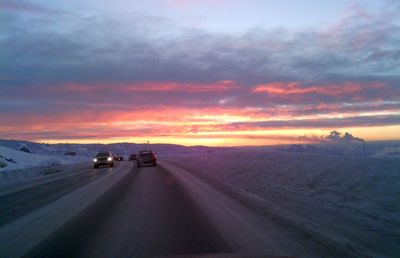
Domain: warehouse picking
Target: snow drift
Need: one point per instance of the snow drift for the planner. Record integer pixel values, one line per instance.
(11, 159)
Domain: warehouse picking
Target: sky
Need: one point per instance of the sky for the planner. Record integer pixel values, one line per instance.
(199, 72)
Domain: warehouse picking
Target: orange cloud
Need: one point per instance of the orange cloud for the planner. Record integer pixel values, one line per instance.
(295, 88)
(186, 126)
(157, 110)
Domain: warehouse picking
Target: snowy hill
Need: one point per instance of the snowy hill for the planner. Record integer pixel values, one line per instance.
(89, 150)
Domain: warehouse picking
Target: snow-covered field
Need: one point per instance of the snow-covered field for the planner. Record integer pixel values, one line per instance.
(348, 203)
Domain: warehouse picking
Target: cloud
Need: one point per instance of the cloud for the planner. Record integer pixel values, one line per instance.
(336, 136)
(226, 85)
(24, 6)
(134, 47)
(60, 72)
(319, 123)
(192, 3)
(294, 88)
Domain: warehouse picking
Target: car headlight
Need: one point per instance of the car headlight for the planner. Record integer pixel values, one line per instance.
(95, 160)
(109, 159)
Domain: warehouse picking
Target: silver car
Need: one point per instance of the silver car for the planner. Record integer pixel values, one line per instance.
(146, 157)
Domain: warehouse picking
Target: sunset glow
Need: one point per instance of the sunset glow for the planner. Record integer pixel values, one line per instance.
(125, 73)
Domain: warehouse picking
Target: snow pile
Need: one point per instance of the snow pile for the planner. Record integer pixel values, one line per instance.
(23, 147)
(346, 201)
(11, 159)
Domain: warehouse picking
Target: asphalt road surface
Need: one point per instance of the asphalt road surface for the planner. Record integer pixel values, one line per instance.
(19, 203)
(147, 213)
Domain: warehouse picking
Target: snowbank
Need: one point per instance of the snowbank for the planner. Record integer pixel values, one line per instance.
(11, 159)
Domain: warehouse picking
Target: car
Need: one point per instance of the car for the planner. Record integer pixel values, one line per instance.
(132, 157)
(146, 157)
(118, 158)
(103, 158)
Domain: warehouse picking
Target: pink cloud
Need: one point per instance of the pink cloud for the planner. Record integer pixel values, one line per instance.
(333, 90)
(223, 85)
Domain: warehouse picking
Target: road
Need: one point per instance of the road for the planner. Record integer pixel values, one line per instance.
(152, 211)
(147, 213)
(19, 203)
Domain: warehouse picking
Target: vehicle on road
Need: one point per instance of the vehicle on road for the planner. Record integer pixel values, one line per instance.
(103, 158)
(132, 157)
(118, 158)
(146, 157)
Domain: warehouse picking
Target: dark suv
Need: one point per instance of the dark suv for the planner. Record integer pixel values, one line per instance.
(146, 157)
(103, 158)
